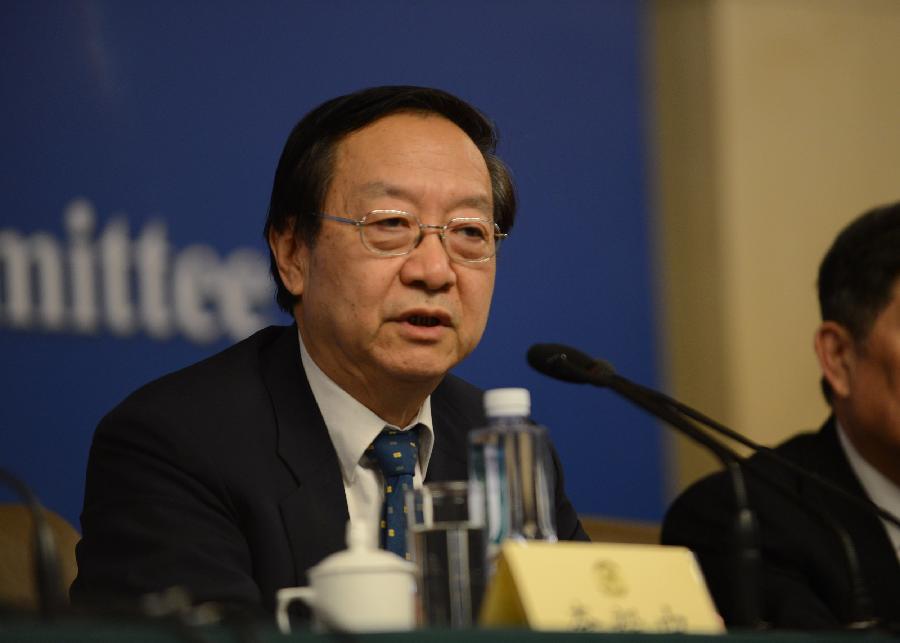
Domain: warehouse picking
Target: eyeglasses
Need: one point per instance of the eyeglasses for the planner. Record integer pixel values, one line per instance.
(392, 233)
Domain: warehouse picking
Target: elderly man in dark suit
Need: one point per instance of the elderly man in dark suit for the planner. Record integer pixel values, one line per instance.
(232, 477)
(806, 580)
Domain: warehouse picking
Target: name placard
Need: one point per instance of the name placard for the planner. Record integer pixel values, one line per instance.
(599, 587)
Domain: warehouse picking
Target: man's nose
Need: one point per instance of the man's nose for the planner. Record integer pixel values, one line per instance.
(429, 264)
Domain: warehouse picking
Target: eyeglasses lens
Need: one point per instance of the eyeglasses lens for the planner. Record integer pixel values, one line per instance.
(395, 233)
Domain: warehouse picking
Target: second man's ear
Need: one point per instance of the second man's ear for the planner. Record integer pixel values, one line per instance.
(836, 351)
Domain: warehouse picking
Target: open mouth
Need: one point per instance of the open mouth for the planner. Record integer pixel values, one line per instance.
(423, 320)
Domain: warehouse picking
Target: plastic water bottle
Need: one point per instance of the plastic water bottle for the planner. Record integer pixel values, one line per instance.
(511, 473)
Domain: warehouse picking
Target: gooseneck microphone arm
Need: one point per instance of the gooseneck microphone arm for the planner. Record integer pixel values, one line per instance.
(745, 548)
(864, 503)
(572, 366)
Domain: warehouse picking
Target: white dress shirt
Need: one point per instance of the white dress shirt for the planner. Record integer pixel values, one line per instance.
(352, 427)
(881, 491)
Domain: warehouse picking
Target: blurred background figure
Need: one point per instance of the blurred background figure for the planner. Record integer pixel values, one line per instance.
(807, 580)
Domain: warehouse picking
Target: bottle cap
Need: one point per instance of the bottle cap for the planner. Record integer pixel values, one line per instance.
(507, 402)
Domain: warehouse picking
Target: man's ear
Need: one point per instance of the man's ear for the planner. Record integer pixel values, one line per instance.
(291, 257)
(836, 351)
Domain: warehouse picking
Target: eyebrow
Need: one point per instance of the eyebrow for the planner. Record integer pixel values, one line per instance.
(380, 188)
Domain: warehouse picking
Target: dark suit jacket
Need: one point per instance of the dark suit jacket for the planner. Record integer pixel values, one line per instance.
(222, 478)
(805, 582)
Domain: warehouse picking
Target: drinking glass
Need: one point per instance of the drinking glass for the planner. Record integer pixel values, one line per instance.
(447, 546)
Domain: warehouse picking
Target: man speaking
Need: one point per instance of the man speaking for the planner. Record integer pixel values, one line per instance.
(232, 477)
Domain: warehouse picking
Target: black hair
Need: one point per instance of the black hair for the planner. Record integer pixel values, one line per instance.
(306, 166)
(858, 273)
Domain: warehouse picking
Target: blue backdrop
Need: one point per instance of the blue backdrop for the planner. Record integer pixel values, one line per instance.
(139, 144)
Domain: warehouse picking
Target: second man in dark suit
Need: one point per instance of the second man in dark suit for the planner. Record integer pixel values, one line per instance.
(807, 578)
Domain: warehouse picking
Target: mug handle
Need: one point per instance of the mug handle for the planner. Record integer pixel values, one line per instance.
(284, 597)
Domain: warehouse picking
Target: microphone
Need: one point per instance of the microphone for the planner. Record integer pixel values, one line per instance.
(569, 364)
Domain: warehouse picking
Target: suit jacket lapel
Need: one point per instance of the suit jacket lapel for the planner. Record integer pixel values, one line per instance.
(315, 512)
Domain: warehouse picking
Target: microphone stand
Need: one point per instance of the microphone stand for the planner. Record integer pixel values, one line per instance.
(51, 599)
(745, 545)
(860, 600)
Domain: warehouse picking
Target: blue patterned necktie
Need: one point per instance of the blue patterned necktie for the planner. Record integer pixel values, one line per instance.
(395, 453)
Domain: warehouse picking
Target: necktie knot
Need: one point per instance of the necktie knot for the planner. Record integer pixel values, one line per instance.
(396, 452)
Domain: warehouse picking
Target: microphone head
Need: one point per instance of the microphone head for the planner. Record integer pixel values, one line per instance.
(568, 364)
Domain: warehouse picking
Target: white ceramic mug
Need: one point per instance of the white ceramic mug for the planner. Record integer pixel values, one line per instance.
(361, 589)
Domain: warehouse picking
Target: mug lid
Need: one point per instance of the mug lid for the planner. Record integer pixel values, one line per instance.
(361, 556)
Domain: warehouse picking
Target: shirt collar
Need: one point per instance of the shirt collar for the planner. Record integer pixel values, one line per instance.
(351, 425)
(881, 491)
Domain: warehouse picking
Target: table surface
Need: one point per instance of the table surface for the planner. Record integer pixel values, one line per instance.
(20, 630)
